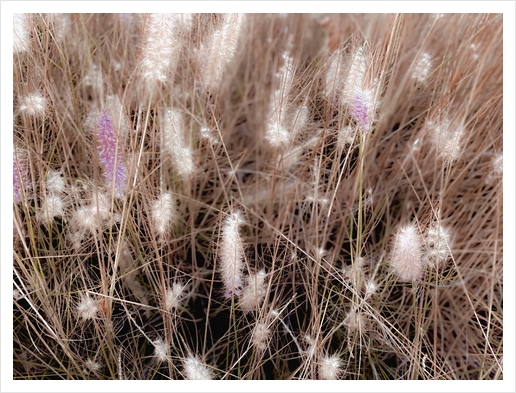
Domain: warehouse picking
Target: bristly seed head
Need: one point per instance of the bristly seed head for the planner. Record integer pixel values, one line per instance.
(34, 105)
(437, 245)
(232, 255)
(330, 367)
(260, 336)
(162, 213)
(422, 68)
(55, 183)
(195, 370)
(160, 350)
(173, 296)
(254, 293)
(406, 258)
(87, 308)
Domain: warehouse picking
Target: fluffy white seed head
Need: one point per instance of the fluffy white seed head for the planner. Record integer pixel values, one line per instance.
(356, 75)
(406, 260)
(21, 39)
(300, 119)
(173, 296)
(277, 136)
(209, 135)
(232, 255)
(160, 49)
(345, 136)
(437, 245)
(16, 295)
(498, 165)
(172, 130)
(370, 288)
(93, 217)
(355, 320)
(85, 220)
(173, 143)
(330, 367)
(33, 105)
(160, 350)
(220, 50)
(184, 161)
(286, 75)
(87, 308)
(422, 67)
(162, 213)
(261, 336)
(92, 83)
(91, 366)
(334, 77)
(51, 207)
(254, 293)
(184, 23)
(446, 139)
(55, 183)
(279, 132)
(117, 116)
(194, 369)
(63, 26)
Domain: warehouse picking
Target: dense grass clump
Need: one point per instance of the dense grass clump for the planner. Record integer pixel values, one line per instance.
(252, 196)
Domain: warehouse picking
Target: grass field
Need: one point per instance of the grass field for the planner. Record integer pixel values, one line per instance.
(258, 196)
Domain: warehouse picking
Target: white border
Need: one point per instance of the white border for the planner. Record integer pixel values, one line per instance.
(507, 8)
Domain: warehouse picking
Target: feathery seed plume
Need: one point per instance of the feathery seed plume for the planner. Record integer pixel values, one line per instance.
(173, 296)
(406, 259)
(160, 350)
(51, 207)
(277, 133)
(437, 245)
(422, 67)
(87, 308)
(231, 255)
(162, 213)
(21, 39)
(330, 367)
(55, 183)
(173, 143)
(195, 370)
(254, 292)
(160, 50)
(33, 105)
(221, 50)
(260, 336)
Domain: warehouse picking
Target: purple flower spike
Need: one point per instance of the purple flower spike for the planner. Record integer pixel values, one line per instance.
(111, 157)
(360, 111)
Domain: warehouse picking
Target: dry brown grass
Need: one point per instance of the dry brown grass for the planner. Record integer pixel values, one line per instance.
(319, 216)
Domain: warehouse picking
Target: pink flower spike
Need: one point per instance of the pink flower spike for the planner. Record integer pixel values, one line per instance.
(111, 155)
(361, 109)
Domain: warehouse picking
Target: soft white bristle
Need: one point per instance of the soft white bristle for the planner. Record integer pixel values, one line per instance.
(232, 255)
(330, 367)
(162, 213)
(173, 296)
(195, 369)
(160, 350)
(87, 308)
(406, 258)
(254, 292)
(33, 105)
